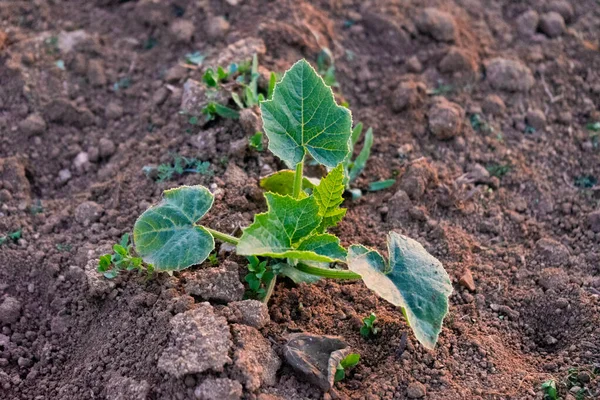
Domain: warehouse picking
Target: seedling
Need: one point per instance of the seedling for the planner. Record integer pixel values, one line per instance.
(499, 170)
(350, 361)
(368, 328)
(326, 68)
(180, 165)
(212, 259)
(381, 185)
(549, 389)
(594, 128)
(212, 110)
(255, 141)
(586, 181)
(291, 238)
(14, 236)
(195, 58)
(122, 260)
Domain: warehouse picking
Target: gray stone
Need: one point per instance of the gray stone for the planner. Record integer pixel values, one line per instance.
(563, 7)
(182, 30)
(113, 111)
(64, 175)
(67, 41)
(416, 390)
(438, 24)
(176, 73)
(106, 147)
(445, 119)
(95, 73)
(200, 341)
(509, 75)
(123, 388)
(220, 283)
(253, 313)
(195, 97)
(88, 212)
(255, 363)
(218, 389)
(553, 253)
(64, 112)
(33, 125)
(536, 119)
(527, 23)
(81, 161)
(552, 24)
(10, 310)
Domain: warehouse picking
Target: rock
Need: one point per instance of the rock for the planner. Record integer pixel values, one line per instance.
(218, 389)
(87, 213)
(416, 390)
(315, 357)
(123, 388)
(414, 65)
(220, 283)
(552, 24)
(200, 341)
(457, 60)
(408, 95)
(182, 30)
(493, 105)
(95, 73)
(554, 279)
(10, 310)
(509, 75)
(552, 252)
(255, 363)
(13, 177)
(67, 41)
(242, 50)
(417, 178)
(438, 24)
(235, 177)
(160, 96)
(466, 280)
(113, 111)
(195, 97)
(33, 125)
(106, 148)
(176, 73)
(593, 220)
(64, 175)
(536, 119)
(398, 206)
(527, 23)
(250, 121)
(216, 28)
(445, 119)
(253, 313)
(81, 161)
(563, 7)
(65, 112)
(206, 143)
(237, 148)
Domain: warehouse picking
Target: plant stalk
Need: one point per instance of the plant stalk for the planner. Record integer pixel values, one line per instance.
(270, 288)
(328, 272)
(298, 179)
(222, 236)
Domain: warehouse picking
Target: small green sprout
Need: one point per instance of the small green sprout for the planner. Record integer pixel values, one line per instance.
(549, 389)
(250, 96)
(195, 58)
(586, 181)
(594, 128)
(258, 277)
(122, 83)
(381, 185)
(326, 68)
(255, 141)
(180, 165)
(212, 110)
(64, 247)
(350, 361)
(122, 260)
(368, 328)
(499, 170)
(213, 260)
(14, 236)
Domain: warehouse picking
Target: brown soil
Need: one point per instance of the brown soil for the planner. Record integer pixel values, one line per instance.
(528, 235)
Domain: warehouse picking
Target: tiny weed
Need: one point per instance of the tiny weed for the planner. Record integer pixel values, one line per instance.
(180, 165)
(212, 110)
(195, 58)
(36, 207)
(255, 141)
(122, 83)
(150, 43)
(369, 328)
(499, 170)
(350, 361)
(14, 236)
(549, 389)
(586, 181)
(258, 277)
(326, 68)
(381, 185)
(64, 247)
(213, 260)
(479, 124)
(441, 90)
(122, 260)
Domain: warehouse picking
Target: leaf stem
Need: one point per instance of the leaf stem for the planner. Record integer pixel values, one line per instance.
(328, 272)
(222, 236)
(298, 178)
(270, 288)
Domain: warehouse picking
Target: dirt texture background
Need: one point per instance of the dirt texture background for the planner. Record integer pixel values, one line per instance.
(480, 110)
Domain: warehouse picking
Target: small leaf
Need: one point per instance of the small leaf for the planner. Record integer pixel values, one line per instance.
(255, 141)
(285, 231)
(413, 280)
(124, 240)
(351, 360)
(117, 248)
(381, 185)
(340, 374)
(294, 274)
(210, 79)
(356, 133)
(361, 160)
(282, 182)
(329, 198)
(166, 236)
(304, 117)
(272, 82)
(225, 112)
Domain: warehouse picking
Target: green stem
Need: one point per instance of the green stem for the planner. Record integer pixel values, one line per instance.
(222, 236)
(269, 291)
(328, 272)
(298, 179)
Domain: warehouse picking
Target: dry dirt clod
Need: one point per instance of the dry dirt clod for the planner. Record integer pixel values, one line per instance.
(438, 24)
(509, 75)
(536, 119)
(218, 389)
(125, 388)
(408, 95)
(96, 74)
(33, 125)
(527, 23)
(253, 313)
(250, 121)
(10, 310)
(220, 283)
(493, 105)
(467, 281)
(563, 7)
(176, 73)
(458, 60)
(552, 252)
(87, 213)
(593, 219)
(416, 390)
(242, 50)
(445, 119)
(417, 178)
(200, 341)
(216, 28)
(552, 24)
(64, 112)
(182, 30)
(554, 279)
(113, 111)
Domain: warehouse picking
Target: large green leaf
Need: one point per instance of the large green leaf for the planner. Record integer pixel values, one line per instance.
(166, 236)
(413, 280)
(282, 182)
(303, 117)
(288, 230)
(329, 198)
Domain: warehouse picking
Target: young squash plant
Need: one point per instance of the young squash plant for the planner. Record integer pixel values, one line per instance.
(291, 238)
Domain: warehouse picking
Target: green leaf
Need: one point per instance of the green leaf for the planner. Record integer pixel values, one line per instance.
(282, 182)
(255, 141)
(166, 236)
(361, 160)
(413, 280)
(329, 198)
(351, 360)
(340, 374)
(356, 133)
(381, 185)
(294, 274)
(225, 112)
(210, 78)
(304, 117)
(287, 230)
(272, 82)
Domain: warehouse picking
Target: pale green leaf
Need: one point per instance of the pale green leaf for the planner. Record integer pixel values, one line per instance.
(166, 236)
(294, 274)
(356, 133)
(413, 280)
(329, 198)
(303, 117)
(282, 182)
(361, 160)
(286, 231)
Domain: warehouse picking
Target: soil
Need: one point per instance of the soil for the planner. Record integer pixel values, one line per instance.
(90, 93)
